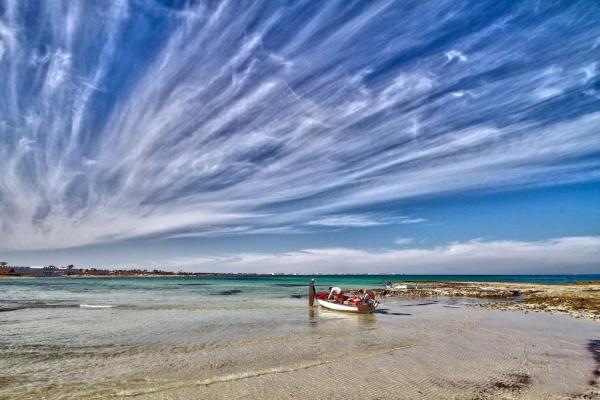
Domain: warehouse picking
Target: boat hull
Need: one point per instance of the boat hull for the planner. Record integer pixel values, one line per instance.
(362, 309)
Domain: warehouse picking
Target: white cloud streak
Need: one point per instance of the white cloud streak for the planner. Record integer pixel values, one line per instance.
(403, 241)
(222, 123)
(455, 54)
(560, 255)
(364, 220)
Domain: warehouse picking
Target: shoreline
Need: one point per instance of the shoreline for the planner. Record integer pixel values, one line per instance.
(579, 300)
(422, 280)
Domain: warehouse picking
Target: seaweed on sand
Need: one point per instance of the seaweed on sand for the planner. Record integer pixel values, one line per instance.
(229, 292)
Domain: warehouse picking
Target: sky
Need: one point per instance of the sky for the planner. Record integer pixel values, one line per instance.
(271, 136)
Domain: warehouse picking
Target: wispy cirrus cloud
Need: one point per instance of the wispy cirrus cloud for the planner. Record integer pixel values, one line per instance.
(560, 255)
(124, 119)
(455, 54)
(364, 220)
(402, 241)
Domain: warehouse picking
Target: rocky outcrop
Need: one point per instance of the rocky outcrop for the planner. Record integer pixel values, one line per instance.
(580, 300)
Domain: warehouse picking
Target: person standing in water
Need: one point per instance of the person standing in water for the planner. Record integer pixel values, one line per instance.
(312, 291)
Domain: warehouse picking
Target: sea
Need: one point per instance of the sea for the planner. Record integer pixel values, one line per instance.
(254, 336)
(159, 291)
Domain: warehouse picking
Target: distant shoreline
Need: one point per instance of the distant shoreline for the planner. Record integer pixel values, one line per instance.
(543, 279)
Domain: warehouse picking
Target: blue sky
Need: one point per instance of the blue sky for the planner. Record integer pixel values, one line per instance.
(416, 137)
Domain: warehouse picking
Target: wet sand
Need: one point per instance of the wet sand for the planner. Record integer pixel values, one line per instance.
(411, 349)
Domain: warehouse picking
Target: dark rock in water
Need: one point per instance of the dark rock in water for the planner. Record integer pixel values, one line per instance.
(386, 311)
(419, 304)
(297, 296)
(229, 292)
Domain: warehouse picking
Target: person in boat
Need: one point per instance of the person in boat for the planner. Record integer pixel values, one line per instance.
(352, 300)
(364, 297)
(334, 292)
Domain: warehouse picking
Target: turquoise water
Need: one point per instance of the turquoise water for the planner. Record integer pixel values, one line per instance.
(255, 337)
(270, 285)
(150, 292)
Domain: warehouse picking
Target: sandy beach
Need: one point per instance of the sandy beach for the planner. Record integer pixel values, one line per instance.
(162, 339)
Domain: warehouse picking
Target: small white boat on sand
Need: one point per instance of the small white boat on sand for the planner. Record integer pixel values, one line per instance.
(360, 309)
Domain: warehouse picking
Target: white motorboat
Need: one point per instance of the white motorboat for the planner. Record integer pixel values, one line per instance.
(360, 309)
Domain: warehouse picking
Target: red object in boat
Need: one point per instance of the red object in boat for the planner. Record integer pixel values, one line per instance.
(340, 298)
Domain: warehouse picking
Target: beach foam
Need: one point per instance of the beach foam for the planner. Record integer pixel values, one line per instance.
(95, 306)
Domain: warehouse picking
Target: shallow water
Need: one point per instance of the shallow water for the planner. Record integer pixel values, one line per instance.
(163, 338)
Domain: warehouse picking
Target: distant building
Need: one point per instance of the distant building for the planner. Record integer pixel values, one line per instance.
(66, 271)
(95, 271)
(50, 270)
(21, 270)
(8, 270)
(38, 270)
